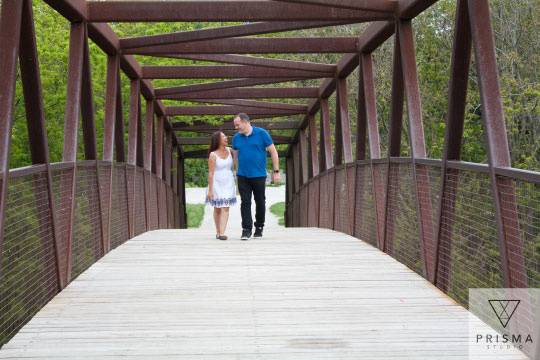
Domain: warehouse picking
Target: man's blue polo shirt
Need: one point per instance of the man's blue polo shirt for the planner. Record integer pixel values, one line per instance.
(252, 152)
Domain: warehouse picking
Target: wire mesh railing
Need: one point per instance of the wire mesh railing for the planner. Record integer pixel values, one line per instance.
(466, 250)
(37, 258)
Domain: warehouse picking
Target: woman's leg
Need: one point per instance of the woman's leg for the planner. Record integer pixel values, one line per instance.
(224, 219)
(217, 219)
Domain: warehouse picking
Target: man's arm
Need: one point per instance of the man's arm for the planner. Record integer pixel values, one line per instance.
(275, 163)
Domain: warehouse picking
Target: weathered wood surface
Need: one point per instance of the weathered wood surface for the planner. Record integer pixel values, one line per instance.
(296, 294)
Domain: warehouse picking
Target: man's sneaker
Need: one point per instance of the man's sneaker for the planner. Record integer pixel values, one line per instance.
(246, 234)
(258, 232)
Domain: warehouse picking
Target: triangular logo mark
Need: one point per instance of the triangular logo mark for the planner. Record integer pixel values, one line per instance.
(504, 309)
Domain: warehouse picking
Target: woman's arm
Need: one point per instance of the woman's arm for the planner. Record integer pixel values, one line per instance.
(211, 167)
(235, 158)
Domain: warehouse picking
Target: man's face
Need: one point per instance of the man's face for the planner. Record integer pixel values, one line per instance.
(240, 125)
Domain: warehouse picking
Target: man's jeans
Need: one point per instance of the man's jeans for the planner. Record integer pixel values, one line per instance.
(246, 187)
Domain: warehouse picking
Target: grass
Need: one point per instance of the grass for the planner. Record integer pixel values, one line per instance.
(278, 209)
(195, 213)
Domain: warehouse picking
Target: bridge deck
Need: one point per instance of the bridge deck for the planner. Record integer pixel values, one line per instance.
(297, 294)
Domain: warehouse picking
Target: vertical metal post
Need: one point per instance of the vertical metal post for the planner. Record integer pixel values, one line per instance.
(119, 146)
(510, 243)
(111, 98)
(343, 126)
(10, 32)
(418, 148)
(369, 112)
(87, 106)
(303, 148)
(148, 140)
(71, 122)
(461, 56)
(133, 144)
(37, 133)
(327, 159)
(394, 142)
(313, 151)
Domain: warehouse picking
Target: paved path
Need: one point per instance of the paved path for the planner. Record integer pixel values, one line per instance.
(234, 229)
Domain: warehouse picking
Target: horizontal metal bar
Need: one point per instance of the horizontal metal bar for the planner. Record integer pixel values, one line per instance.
(186, 89)
(247, 93)
(519, 174)
(229, 125)
(429, 162)
(27, 170)
(224, 32)
(226, 110)
(250, 45)
(467, 166)
(400, 160)
(225, 72)
(199, 11)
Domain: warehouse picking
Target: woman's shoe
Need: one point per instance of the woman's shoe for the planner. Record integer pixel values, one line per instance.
(222, 237)
(217, 236)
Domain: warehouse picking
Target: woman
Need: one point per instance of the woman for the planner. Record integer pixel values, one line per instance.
(221, 193)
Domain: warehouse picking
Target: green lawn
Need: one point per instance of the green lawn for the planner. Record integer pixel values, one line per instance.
(195, 213)
(278, 209)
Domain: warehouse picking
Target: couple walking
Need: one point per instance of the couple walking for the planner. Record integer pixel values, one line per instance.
(248, 155)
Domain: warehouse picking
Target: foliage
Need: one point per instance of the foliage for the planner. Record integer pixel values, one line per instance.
(278, 209)
(195, 214)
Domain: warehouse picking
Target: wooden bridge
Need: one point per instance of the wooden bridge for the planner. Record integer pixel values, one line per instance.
(378, 253)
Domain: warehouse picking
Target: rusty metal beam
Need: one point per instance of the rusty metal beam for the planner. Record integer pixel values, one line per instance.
(387, 6)
(394, 142)
(148, 135)
(251, 45)
(313, 147)
(205, 140)
(71, 122)
(203, 154)
(260, 61)
(111, 98)
(460, 63)
(505, 202)
(255, 104)
(226, 110)
(247, 93)
(226, 72)
(133, 123)
(220, 85)
(228, 125)
(199, 11)
(224, 32)
(159, 147)
(119, 145)
(327, 159)
(10, 32)
(417, 144)
(87, 107)
(343, 152)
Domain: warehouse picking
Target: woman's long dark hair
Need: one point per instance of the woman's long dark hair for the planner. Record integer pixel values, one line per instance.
(214, 142)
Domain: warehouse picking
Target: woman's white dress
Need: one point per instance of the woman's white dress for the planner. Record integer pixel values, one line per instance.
(224, 188)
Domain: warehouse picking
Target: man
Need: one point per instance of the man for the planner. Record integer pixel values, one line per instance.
(250, 145)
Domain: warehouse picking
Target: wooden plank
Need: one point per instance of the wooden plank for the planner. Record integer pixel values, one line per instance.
(180, 294)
